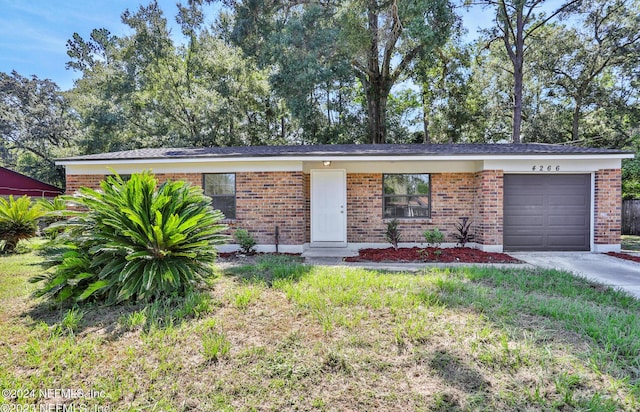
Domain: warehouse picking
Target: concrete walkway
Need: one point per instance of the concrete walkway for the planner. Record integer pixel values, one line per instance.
(597, 267)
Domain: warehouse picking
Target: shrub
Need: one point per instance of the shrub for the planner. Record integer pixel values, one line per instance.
(135, 241)
(434, 237)
(54, 211)
(464, 234)
(392, 235)
(245, 240)
(18, 221)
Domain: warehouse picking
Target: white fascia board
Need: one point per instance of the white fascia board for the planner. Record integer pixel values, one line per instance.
(553, 165)
(331, 157)
(182, 167)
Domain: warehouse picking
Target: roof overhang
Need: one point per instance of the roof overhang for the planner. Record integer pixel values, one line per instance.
(349, 158)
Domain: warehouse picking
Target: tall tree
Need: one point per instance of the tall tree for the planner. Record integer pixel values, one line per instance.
(579, 58)
(36, 126)
(380, 39)
(145, 90)
(516, 21)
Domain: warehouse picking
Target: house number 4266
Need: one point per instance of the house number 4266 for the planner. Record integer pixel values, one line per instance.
(549, 168)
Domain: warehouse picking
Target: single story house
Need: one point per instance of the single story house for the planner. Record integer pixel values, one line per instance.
(16, 184)
(519, 197)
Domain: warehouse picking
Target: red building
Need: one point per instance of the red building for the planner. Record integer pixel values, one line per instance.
(16, 184)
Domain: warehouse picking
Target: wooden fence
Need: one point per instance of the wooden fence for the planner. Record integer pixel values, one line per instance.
(631, 217)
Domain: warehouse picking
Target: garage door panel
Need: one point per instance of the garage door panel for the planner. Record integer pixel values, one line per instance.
(569, 200)
(565, 240)
(524, 199)
(516, 222)
(562, 221)
(547, 212)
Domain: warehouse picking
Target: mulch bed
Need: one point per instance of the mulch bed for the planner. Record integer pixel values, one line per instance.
(239, 256)
(431, 254)
(624, 256)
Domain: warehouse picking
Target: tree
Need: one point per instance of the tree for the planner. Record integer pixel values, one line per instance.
(516, 21)
(36, 126)
(583, 60)
(381, 33)
(143, 90)
(444, 78)
(380, 40)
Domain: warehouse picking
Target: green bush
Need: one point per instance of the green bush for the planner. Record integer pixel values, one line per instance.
(245, 240)
(133, 242)
(18, 221)
(392, 234)
(434, 237)
(54, 211)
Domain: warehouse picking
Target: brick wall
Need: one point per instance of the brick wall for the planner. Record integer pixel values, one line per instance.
(452, 197)
(489, 207)
(608, 206)
(265, 200)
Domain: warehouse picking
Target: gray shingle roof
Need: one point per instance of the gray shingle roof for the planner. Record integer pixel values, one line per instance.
(347, 150)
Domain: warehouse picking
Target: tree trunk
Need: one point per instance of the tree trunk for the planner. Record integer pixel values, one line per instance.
(576, 119)
(425, 119)
(518, 76)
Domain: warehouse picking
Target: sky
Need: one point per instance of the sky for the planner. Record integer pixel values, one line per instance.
(34, 33)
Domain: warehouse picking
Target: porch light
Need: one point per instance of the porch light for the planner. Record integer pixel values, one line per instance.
(327, 163)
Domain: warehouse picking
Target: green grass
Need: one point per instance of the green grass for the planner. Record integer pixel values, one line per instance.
(280, 335)
(630, 242)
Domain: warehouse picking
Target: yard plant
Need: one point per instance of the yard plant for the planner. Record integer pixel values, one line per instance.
(134, 240)
(18, 221)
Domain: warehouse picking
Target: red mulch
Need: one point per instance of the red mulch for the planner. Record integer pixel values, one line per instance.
(447, 255)
(235, 255)
(624, 256)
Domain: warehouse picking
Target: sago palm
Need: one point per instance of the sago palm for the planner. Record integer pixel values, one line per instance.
(18, 221)
(136, 241)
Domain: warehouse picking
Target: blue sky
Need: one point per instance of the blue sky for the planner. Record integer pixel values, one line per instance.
(34, 33)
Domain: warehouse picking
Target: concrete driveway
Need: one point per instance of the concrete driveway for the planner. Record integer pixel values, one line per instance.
(597, 267)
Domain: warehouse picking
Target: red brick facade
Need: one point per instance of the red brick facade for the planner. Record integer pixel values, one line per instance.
(608, 207)
(488, 207)
(452, 197)
(265, 200)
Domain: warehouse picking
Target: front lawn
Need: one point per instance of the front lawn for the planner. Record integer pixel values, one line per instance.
(278, 335)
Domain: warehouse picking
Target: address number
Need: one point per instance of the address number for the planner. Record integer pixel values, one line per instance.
(549, 168)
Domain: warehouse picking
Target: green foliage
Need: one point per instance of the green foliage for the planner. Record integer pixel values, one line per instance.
(54, 211)
(134, 242)
(215, 346)
(18, 221)
(36, 125)
(392, 234)
(245, 240)
(434, 237)
(464, 234)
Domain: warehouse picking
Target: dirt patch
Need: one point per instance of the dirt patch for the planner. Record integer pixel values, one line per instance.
(431, 254)
(624, 256)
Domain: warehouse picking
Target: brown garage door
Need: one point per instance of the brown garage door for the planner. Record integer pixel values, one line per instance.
(547, 212)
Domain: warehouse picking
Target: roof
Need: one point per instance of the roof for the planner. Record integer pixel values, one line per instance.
(17, 184)
(351, 150)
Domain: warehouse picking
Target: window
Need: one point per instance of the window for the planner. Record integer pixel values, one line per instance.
(406, 196)
(221, 187)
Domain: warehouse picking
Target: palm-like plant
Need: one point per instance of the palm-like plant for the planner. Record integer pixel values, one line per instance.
(18, 221)
(135, 241)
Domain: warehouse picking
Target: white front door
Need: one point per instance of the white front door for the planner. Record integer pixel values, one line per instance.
(328, 206)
